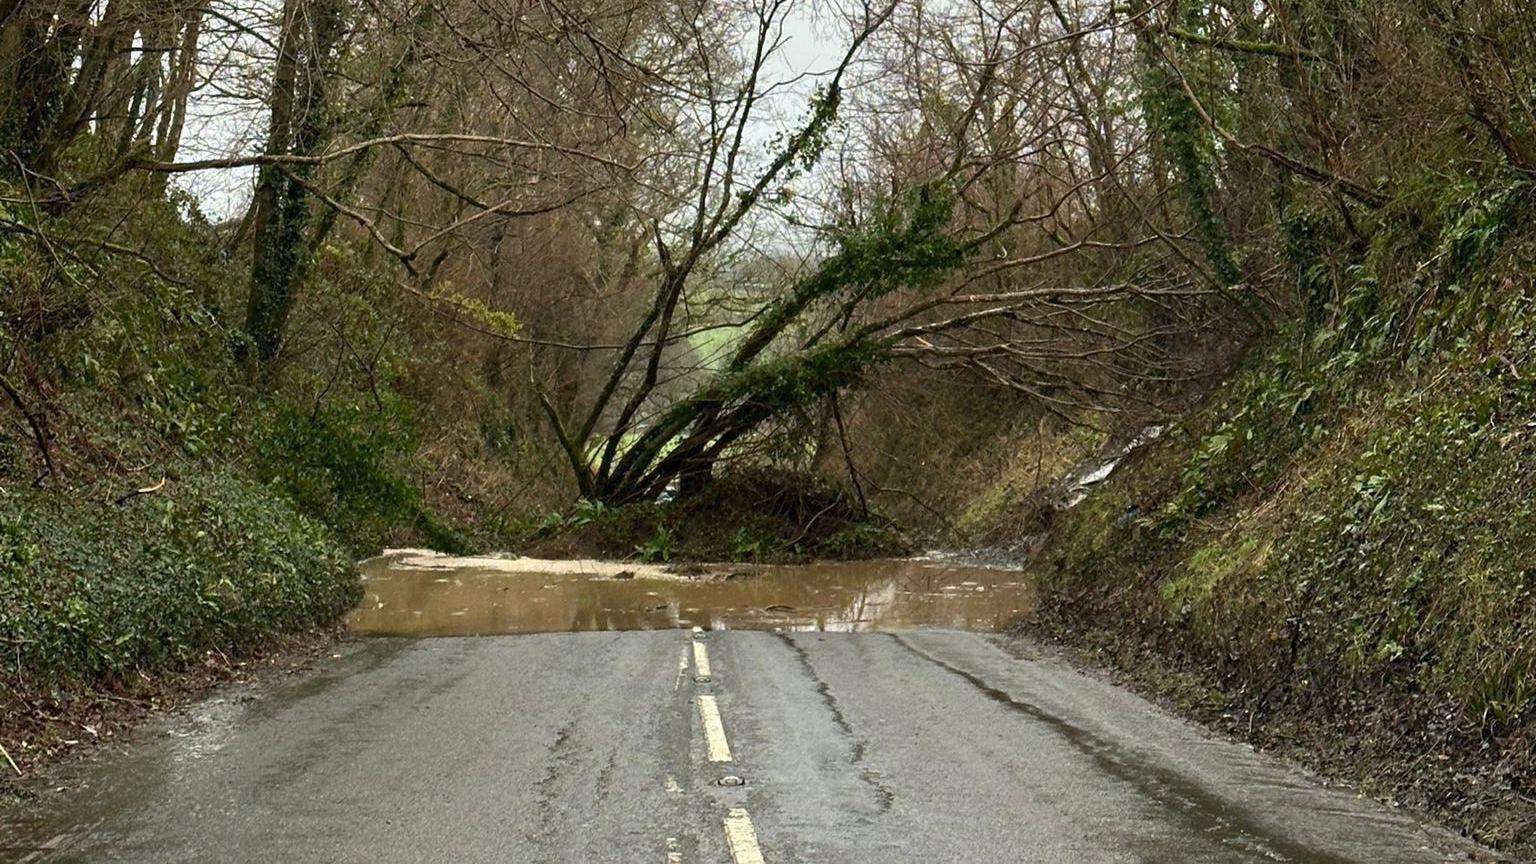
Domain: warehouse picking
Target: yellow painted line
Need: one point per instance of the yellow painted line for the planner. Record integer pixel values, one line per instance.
(714, 730)
(741, 837)
(701, 659)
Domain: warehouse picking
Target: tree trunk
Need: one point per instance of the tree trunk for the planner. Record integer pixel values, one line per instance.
(300, 126)
(40, 47)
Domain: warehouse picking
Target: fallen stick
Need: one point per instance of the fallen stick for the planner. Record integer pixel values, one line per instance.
(144, 491)
(7, 755)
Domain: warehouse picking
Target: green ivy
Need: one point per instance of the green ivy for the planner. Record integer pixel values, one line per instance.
(90, 589)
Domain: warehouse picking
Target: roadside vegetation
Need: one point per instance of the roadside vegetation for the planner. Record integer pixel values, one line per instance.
(747, 515)
(1331, 552)
(1335, 549)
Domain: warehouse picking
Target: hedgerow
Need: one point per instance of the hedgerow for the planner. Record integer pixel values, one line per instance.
(92, 590)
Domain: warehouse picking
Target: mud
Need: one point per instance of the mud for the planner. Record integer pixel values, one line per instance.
(417, 594)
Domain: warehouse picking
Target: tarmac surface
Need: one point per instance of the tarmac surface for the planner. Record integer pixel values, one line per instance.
(914, 746)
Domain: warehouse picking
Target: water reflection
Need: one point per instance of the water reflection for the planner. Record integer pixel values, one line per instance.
(421, 595)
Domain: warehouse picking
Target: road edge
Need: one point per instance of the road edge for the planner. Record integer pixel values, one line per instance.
(44, 731)
(1185, 696)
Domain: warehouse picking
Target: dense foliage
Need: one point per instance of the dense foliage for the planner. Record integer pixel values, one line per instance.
(1345, 530)
(102, 591)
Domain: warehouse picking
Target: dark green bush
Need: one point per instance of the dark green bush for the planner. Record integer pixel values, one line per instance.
(90, 589)
(349, 472)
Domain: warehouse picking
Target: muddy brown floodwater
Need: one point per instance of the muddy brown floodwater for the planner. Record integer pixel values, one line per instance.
(413, 593)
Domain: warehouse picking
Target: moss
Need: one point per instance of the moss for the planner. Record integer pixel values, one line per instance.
(1346, 527)
(1392, 540)
(988, 508)
(1087, 535)
(1208, 568)
(1341, 540)
(1010, 502)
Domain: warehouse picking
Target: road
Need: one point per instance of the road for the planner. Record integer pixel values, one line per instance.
(921, 746)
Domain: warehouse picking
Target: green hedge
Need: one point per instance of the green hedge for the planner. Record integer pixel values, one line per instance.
(93, 590)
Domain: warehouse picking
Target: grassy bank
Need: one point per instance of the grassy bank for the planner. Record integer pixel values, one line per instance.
(1334, 553)
(108, 608)
(99, 590)
(262, 487)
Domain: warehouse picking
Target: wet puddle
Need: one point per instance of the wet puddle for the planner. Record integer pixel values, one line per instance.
(411, 593)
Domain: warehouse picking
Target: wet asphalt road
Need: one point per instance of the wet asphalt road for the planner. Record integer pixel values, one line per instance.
(925, 746)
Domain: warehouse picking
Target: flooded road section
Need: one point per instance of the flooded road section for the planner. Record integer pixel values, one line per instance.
(412, 593)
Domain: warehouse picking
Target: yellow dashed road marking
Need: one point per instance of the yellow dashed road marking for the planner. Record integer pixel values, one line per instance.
(741, 837)
(714, 730)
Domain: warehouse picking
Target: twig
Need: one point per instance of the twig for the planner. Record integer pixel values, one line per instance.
(853, 472)
(37, 421)
(1316, 174)
(147, 490)
(14, 766)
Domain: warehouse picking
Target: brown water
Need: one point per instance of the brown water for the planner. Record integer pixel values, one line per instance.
(420, 594)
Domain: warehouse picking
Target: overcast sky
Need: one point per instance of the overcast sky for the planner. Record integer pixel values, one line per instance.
(223, 120)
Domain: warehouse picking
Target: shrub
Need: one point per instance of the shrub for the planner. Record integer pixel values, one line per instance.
(94, 590)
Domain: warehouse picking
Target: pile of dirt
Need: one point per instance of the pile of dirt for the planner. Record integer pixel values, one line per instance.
(761, 514)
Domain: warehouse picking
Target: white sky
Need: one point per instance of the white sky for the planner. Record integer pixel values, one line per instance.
(222, 122)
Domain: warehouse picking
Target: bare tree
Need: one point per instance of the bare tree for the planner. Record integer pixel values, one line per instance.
(961, 244)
